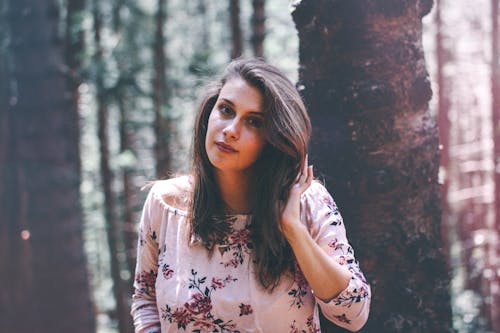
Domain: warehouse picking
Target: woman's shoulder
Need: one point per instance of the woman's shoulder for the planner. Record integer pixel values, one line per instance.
(317, 195)
(316, 188)
(174, 192)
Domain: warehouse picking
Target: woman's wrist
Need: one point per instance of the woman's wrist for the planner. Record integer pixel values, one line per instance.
(294, 232)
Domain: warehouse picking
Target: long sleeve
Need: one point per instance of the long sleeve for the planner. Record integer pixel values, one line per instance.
(351, 307)
(144, 310)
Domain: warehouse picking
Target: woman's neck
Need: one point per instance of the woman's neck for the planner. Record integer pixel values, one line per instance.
(235, 191)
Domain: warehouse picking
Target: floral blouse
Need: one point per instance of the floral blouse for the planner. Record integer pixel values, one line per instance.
(179, 287)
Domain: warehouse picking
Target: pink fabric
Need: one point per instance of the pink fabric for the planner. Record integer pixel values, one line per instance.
(179, 287)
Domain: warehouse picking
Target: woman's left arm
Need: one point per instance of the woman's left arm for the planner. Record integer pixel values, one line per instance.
(328, 264)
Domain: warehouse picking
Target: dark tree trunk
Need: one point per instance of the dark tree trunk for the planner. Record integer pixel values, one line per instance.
(43, 268)
(495, 93)
(74, 45)
(162, 124)
(126, 104)
(363, 77)
(258, 27)
(236, 33)
(120, 288)
(129, 225)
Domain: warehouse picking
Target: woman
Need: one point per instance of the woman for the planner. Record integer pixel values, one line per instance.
(248, 242)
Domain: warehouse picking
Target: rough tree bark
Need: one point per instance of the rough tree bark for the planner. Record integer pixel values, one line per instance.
(236, 33)
(43, 267)
(113, 230)
(258, 27)
(362, 74)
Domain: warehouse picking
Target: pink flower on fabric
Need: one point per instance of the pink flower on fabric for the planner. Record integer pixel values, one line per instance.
(245, 309)
(240, 237)
(328, 200)
(147, 281)
(333, 243)
(341, 260)
(233, 263)
(181, 317)
(218, 283)
(200, 304)
(167, 271)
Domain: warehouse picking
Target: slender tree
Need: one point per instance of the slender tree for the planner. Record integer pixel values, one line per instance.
(363, 76)
(236, 33)
(113, 230)
(74, 43)
(495, 111)
(162, 124)
(123, 93)
(258, 27)
(43, 265)
(128, 216)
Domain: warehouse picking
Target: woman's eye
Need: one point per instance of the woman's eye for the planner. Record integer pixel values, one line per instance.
(255, 122)
(224, 109)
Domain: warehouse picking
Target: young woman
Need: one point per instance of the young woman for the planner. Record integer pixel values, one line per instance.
(248, 242)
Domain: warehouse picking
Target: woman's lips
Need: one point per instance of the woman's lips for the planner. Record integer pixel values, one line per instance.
(225, 147)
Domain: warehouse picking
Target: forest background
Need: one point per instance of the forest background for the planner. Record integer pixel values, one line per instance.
(97, 99)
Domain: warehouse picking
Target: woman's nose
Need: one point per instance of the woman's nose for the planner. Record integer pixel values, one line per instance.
(232, 130)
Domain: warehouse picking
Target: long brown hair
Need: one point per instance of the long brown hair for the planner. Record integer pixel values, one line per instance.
(287, 129)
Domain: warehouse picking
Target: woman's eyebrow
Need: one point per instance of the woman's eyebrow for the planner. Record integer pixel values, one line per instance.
(228, 101)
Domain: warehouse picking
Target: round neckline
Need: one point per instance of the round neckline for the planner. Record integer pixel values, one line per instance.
(183, 212)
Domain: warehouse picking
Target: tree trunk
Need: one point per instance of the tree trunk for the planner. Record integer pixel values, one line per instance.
(162, 124)
(126, 104)
(495, 93)
(120, 289)
(258, 27)
(236, 34)
(363, 77)
(43, 267)
(129, 225)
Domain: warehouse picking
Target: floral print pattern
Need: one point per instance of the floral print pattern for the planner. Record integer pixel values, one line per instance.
(237, 243)
(198, 309)
(167, 271)
(301, 288)
(180, 287)
(311, 327)
(146, 281)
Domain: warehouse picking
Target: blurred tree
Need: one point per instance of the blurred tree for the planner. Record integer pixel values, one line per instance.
(363, 76)
(127, 67)
(162, 124)
(44, 267)
(236, 33)
(120, 289)
(74, 45)
(258, 27)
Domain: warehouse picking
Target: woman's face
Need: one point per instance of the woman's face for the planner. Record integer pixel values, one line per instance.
(235, 133)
